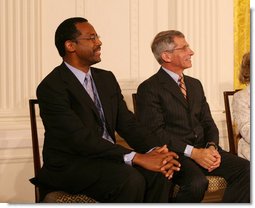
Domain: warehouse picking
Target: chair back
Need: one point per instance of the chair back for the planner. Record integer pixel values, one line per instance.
(233, 137)
(42, 194)
(35, 144)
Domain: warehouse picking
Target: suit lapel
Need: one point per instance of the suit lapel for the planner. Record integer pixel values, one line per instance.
(168, 83)
(77, 89)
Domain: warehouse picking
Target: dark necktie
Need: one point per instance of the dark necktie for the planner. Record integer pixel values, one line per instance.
(182, 86)
(91, 90)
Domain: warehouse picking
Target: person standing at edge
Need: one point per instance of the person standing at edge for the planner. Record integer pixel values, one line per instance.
(81, 108)
(174, 107)
(241, 108)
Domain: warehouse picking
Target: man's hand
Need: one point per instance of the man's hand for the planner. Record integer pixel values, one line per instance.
(218, 159)
(209, 158)
(158, 160)
(171, 165)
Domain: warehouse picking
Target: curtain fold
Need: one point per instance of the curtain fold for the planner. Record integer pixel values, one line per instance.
(241, 36)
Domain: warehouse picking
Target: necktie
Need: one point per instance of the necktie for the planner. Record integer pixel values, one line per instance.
(91, 90)
(182, 86)
(88, 87)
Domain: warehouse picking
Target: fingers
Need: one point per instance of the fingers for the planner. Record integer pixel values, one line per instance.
(206, 165)
(213, 168)
(169, 169)
(214, 162)
(173, 165)
(215, 165)
(171, 156)
(165, 150)
(209, 159)
(167, 159)
(170, 165)
(176, 164)
(169, 174)
(162, 149)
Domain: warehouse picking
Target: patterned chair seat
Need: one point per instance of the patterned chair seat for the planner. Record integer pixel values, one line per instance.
(63, 197)
(216, 183)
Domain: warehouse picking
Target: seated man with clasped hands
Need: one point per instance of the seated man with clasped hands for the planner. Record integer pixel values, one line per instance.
(174, 107)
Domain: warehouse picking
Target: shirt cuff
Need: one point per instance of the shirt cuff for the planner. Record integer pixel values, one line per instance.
(188, 150)
(129, 157)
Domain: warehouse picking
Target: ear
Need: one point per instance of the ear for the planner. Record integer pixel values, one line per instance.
(166, 57)
(70, 46)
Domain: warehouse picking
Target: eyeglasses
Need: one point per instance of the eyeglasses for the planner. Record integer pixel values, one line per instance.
(92, 37)
(184, 48)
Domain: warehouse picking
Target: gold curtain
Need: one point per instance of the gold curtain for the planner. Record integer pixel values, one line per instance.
(241, 36)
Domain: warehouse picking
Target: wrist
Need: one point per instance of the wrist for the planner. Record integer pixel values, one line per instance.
(136, 159)
(128, 158)
(194, 153)
(211, 144)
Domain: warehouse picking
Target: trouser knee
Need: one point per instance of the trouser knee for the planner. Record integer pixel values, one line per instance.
(192, 192)
(198, 188)
(134, 187)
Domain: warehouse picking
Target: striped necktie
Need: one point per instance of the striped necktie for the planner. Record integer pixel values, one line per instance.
(91, 90)
(182, 86)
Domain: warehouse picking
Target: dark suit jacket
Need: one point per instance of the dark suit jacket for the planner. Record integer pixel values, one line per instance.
(73, 147)
(176, 121)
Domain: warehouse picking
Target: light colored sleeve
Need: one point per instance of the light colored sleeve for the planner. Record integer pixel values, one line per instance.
(129, 157)
(241, 113)
(188, 150)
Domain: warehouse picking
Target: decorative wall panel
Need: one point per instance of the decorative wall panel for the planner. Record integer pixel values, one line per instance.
(210, 33)
(20, 57)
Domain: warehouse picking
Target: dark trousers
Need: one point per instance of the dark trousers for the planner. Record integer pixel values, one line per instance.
(121, 183)
(193, 182)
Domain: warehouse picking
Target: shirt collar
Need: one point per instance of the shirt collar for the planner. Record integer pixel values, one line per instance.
(78, 73)
(172, 74)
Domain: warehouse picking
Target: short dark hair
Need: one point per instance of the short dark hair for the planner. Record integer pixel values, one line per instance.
(67, 31)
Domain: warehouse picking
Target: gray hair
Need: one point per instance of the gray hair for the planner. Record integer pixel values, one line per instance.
(164, 41)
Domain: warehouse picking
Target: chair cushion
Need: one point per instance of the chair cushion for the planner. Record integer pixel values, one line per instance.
(216, 183)
(63, 197)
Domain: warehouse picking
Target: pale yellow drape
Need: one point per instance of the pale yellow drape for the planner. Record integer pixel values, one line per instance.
(241, 35)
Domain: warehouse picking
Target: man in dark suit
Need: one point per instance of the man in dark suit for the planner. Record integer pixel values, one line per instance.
(81, 108)
(174, 107)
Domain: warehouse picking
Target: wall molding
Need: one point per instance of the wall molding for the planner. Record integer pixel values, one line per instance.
(15, 141)
(10, 159)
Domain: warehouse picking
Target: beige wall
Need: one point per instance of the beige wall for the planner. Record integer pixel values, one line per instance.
(127, 27)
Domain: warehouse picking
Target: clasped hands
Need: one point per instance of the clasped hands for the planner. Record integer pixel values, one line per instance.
(160, 159)
(208, 158)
